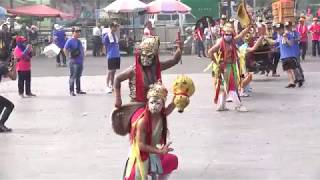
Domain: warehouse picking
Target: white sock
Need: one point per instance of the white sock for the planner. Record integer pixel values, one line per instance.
(235, 98)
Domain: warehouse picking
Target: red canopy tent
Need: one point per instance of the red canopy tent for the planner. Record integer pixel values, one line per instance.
(39, 10)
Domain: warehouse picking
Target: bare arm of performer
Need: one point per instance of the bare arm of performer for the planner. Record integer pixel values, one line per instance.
(128, 73)
(148, 148)
(170, 108)
(256, 45)
(171, 62)
(215, 48)
(242, 33)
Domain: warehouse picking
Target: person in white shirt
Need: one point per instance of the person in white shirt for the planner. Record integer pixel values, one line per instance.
(97, 40)
(208, 35)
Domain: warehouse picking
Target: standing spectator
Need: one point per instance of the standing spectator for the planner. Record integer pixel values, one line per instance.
(97, 41)
(5, 43)
(208, 32)
(74, 50)
(111, 42)
(298, 72)
(315, 36)
(59, 38)
(33, 39)
(105, 30)
(23, 54)
(303, 32)
(148, 30)
(276, 53)
(287, 55)
(199, 41)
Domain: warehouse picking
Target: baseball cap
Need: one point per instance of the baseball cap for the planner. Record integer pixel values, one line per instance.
(288, 23)
(20, 39)
(76, 29)
(114, 24)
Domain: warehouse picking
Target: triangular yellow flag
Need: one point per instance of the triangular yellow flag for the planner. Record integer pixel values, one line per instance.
(243, 14)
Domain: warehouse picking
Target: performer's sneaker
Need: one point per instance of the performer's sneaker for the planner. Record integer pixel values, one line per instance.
(229, 99)
(243, 94)
(109, 90)
(241, 108)
(222, 109)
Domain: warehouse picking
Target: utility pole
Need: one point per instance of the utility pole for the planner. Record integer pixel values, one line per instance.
(11, 4)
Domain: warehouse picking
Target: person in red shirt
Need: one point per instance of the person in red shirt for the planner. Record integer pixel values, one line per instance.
(23, 54)
(315, 36)
(199, 36)
(148, 30)
(303, 33)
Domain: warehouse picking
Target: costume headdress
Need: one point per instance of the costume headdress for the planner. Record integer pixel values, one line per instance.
(150, 44)
(157, 90)
(228, 28)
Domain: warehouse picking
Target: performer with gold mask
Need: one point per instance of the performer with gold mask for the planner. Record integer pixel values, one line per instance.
(146, 71)
(227, 76)
(149, 152)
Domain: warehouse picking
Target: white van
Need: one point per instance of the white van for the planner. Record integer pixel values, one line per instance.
(171, 19)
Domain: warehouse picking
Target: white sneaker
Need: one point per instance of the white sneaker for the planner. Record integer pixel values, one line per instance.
(241, 108)
(229, 99)
(109, 90)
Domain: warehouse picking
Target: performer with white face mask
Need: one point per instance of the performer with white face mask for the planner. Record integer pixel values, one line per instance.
(146, 71)
(149, 152)
(227, 77)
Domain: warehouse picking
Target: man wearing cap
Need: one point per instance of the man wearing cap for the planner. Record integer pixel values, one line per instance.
(287, 54)
(298, 72)
(59, 38)
(315, 36)
(111, 42)
(74, 50)
(303, 32)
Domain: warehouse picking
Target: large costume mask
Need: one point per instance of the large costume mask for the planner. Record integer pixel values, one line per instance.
(228, 32)
(156, 96)
(149, 49)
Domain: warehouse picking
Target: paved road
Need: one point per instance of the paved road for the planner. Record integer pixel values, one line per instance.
(61, 137)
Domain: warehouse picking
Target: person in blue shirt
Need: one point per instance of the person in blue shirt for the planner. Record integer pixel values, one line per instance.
(287, 54)
(111, 42)
(59, 39)
(298, 72)
(75, 52)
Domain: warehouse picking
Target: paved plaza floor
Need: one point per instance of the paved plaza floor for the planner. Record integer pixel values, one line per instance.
(56, 136)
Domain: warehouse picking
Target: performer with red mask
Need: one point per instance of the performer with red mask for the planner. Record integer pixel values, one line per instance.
(228, 76)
